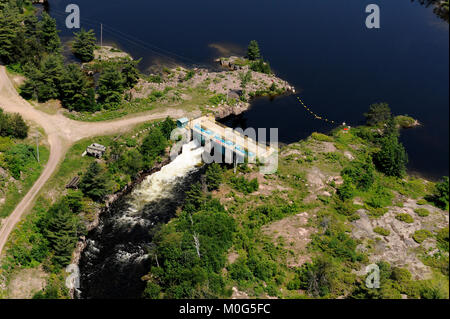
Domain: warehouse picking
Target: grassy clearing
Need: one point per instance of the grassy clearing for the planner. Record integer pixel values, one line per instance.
(14, 194)
(198, 97)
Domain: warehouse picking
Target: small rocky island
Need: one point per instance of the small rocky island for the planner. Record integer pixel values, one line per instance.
(229, 90)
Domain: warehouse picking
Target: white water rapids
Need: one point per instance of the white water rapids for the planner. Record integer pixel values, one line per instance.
(116, 256)
(159, 185)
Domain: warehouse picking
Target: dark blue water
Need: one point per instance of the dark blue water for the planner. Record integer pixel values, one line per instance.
(321, 47)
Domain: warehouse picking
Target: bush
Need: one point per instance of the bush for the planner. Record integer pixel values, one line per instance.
(420, 235)
(347, 190)
(380, 197)
(406, 218)
(361, 173)
(17, 158)
(382, 231)
(422, 212)
(152, 291)
(377, 212)
(345, 208)
(405, 121)
(214, 176)
(217, 99)
(441, 194)
(322, 137)
(261, 67)
(442, 239)
(239, 270)
(155, 78)
(242, 185)
(13, 125)
(422, 201)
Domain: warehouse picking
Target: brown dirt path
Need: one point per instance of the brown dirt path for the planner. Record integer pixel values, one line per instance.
(62, 132)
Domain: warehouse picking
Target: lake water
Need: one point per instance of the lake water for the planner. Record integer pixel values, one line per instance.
(338, 66)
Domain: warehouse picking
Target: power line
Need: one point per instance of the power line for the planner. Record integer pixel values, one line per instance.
(131, 39)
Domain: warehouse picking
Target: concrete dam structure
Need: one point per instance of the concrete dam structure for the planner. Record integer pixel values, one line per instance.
(231, 144)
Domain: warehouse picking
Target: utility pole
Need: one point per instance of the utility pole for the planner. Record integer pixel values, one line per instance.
(101, 35)
(37, 147)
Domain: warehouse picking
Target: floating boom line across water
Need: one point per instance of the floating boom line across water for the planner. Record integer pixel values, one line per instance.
(314, 114)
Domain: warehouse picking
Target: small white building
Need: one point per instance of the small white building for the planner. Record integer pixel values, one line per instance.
(95, 150)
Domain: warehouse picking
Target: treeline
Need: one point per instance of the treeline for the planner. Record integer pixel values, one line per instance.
(32, 46)
(55, 233)
(12, 125)
(189, 253)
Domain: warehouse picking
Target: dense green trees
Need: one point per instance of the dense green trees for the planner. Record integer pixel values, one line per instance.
(61, 231)
(33, 47)
(110, 87)
(153, 145)
(214, 176)
(9, 23)
(84, 45)
(13, 125)
(130, 72)
(191, 253)
(257, 62)
(76, 92)
(360, 173)
(379, 113)
(261, 66)
(17, 158)
(167, 126)
(95, 183)
(48, 34)
(392, 158)
(441, 197)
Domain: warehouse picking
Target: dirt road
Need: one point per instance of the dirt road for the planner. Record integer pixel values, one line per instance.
(62, 132)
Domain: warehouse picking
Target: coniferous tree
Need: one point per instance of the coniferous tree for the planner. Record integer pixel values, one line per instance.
(379, 113)
(76, 93)
(94, 183)
(167, 126)
(18, 126)
(48, 34)
(52, 69)
(392, 158)
(130, 73)
(61, 232)
(214, 176)
(84, 45)
(253, 52)
(110, 87)
(9, 24)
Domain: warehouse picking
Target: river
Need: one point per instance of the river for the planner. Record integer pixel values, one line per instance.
(117, 251)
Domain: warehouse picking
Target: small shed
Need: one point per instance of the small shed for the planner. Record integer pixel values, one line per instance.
(96, 150)
(182, 122)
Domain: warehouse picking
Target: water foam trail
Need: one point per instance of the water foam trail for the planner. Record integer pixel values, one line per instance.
(160, 184)
(116, 256)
